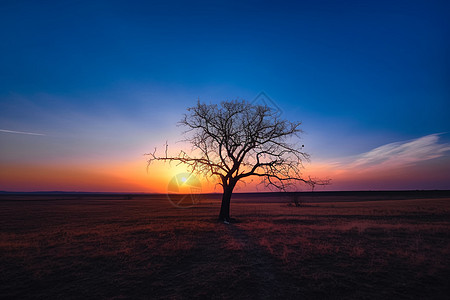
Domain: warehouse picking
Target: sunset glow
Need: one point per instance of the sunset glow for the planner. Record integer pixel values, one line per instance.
(369, 83)
(225, 149)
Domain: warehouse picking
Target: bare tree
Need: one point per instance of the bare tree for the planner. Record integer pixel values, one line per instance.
(237, 139)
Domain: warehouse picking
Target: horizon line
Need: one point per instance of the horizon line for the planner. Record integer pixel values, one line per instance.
(219, 193)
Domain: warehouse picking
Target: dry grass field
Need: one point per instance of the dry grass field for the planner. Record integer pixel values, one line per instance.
(352, 246)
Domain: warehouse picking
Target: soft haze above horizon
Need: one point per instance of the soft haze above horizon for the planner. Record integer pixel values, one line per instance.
(88, 87)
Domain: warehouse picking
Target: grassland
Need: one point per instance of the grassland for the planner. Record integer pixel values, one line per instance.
(141, 247)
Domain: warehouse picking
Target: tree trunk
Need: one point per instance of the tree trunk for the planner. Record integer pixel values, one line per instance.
(224, 215)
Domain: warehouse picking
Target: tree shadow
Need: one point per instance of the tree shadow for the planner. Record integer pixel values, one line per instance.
(267, 277)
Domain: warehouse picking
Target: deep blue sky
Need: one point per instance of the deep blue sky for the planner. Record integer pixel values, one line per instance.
(359, 74)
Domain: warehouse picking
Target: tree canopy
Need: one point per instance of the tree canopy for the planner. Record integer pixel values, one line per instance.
(236, 140)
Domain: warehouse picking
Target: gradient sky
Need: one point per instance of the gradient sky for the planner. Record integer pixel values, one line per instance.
(88, 87)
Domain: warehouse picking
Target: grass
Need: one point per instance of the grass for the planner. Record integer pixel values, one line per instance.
(111, 247)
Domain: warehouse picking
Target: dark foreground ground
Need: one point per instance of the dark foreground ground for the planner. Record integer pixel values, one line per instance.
(342, 246)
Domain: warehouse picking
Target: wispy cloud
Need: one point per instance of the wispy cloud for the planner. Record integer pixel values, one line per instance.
(20, 132)
(399, 165)
(400, 154)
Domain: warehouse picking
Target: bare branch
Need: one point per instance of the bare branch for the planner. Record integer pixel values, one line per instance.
(236, 140)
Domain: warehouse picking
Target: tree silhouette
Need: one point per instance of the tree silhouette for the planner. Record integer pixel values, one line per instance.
(236, 140)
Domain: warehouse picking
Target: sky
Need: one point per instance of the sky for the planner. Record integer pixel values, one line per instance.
(88, 87)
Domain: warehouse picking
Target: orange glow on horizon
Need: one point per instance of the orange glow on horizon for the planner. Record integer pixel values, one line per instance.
(134, 177)
(126, 177)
